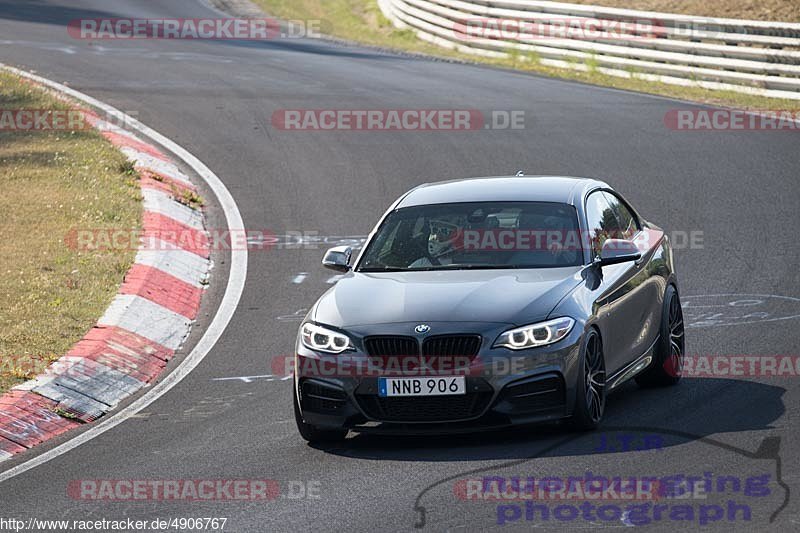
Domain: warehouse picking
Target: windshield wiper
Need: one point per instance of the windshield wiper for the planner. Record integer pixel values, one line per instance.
(459, 267)
(381, 269)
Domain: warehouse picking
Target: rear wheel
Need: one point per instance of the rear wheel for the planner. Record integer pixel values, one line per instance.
(312, 433)
(668, 361)
(590, 403)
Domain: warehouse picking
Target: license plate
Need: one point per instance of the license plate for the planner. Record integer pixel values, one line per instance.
(434, 386)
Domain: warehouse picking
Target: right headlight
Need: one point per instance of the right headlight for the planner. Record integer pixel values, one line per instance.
(535, 335)
(321, 339)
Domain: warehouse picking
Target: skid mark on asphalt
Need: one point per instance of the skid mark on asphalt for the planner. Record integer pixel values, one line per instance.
(213, 407)
(297, 316)
(208, 407)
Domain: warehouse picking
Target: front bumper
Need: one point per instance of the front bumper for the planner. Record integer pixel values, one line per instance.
(504, 388)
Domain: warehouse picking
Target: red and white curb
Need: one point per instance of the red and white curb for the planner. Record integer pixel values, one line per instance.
(140, 331)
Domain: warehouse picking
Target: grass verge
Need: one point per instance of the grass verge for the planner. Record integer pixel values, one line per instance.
(51, 182)
(362, 21)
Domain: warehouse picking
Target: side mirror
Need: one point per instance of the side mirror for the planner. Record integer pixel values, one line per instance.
(617, 251)
(338, 258)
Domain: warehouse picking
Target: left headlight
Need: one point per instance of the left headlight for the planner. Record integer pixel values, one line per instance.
(535, 335)
(324, 340)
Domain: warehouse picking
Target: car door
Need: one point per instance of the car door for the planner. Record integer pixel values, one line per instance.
(616, 307)
(644, 288)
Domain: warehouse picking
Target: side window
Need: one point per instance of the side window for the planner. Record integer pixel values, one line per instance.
(601, 220)
(628, 224)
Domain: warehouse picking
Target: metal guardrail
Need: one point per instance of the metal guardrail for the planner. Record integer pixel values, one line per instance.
(756, 57)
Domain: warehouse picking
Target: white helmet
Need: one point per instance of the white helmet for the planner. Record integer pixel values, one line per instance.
(442, 238)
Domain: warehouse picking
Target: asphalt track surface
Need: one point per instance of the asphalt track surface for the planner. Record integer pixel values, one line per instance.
(215, 98)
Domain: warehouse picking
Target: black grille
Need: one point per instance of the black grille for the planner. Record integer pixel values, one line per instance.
(538, 395)
(428, 409)
(391, 346)
(452, 345)
(320, 398)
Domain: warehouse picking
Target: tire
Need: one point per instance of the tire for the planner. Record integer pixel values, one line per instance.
(312, 433)
(667, 364)
(590, 402)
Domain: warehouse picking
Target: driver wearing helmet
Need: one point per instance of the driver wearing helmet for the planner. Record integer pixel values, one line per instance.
(442, 244)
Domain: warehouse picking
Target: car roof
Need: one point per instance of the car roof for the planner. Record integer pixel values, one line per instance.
(562, 189)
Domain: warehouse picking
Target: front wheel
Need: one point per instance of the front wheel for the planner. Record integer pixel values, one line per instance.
(667, 363)
(590, 403)
(312, 433)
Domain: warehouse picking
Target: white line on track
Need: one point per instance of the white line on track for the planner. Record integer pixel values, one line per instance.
(246, 379)
(233, 290)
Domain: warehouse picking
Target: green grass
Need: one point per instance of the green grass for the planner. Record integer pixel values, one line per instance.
(361, 21)
(51, 182)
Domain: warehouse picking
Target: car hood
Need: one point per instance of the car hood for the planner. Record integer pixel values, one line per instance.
(513, 296)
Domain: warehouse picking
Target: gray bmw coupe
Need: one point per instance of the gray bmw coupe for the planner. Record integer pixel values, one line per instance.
(490, 302)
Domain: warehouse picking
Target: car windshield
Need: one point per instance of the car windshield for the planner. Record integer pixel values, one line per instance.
(475, 235)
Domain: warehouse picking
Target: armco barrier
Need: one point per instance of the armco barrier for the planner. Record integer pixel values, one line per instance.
(755, 57)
